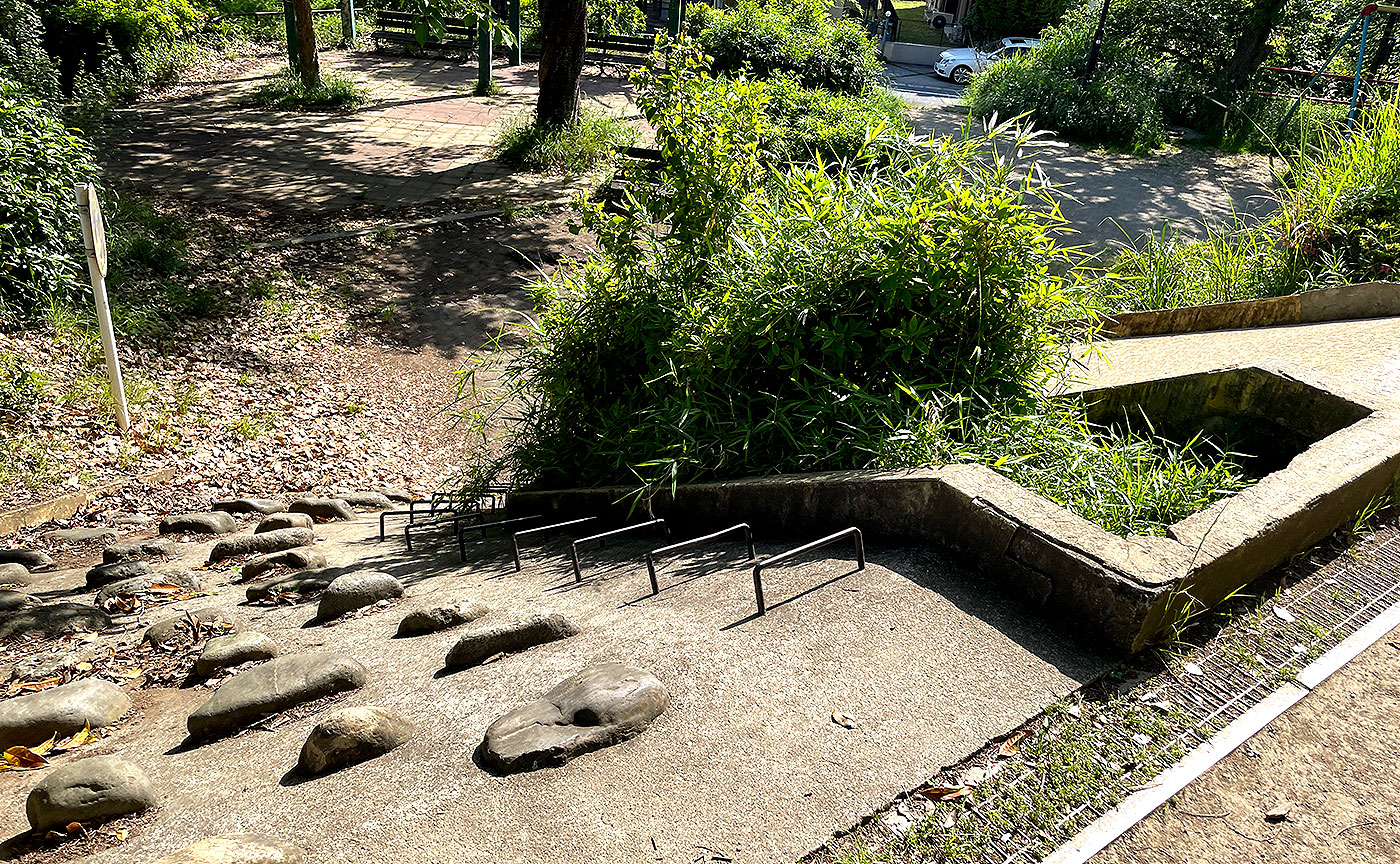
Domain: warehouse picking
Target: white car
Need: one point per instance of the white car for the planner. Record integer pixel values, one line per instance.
(957, 64)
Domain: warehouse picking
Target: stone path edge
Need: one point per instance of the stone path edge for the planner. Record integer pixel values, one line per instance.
(1316, 306)
(64, 506)
(1140, 805)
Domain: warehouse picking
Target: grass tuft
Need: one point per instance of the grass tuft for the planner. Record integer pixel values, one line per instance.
(571, 150)
(285, 91)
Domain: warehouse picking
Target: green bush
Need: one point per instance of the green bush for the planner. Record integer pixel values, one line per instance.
(996, 18)
(40, 241)
(614, 17)
(22, 56)
(1118, 107)
(285, 90)
(798, 37)
(593, 141)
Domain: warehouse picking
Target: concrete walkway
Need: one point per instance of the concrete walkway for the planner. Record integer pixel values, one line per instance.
(423, 138)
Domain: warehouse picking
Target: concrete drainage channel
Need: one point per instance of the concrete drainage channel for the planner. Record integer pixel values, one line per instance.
(1010, 803)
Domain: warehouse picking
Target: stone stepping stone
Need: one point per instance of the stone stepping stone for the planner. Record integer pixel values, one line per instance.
(509, 637)
(262, 691)
(278, 521)
(234, 650)
(265, 506)
(301, 558)
(87, 791)
(366, 500)
(53, 619)
(423, 621)
(603, 705)
(15, 574)
(83, 535)
(304, 582)
(186, 580)
(261, 544)
(32, 719)
(393, 493)
(11, 601)
(357, 590)
(199, 523)
(106, 574)
(30, 559)
(351, 736)
(44, 666)
(167, 630)
(323, 509)
(135, 551)
(236, 849)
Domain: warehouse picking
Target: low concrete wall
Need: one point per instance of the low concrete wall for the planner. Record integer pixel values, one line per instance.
(66, 505)
(1346, 302)
(1124, 590)
(912, 53)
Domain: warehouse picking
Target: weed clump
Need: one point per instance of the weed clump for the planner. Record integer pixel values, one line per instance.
(570, 150)
(286, 91)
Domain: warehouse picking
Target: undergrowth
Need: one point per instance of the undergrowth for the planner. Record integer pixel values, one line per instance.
(286, 91)
(568, 150)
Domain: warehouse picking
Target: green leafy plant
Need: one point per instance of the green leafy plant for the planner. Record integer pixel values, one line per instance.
(286, 90)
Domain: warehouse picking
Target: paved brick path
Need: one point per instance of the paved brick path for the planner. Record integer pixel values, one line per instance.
(423, 138)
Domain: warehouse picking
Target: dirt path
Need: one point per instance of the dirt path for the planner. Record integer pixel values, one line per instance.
(1332, 757)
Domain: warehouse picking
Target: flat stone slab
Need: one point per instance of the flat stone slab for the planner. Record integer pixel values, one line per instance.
(366, 500)
(106, 574)
(420, 622)
(236, 849)
(603, 705)
(141, 586)
(264, 506)
(303, 582)
(301, 558)
(87, 791)
(508, 637)
(178, 627)
(234, 650)
(323, 509)
(261, 544)
(32, 719)
(275, 686)
(351, 736)
(53, 619)
(355, 591)
(278, 521)
(15, 574)
(199, 523)
(101, 534)
(393, 493)
(30, 559)
(135, 551)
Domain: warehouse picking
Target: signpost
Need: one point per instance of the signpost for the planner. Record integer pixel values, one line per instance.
(95, 240)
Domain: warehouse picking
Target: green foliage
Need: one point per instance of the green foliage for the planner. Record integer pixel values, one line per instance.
(615, 17)
(20, 387)
(798, 37)
(997, 18)
(135, 21)
(22, 57)
(285, 90)
(813, 122)
(40, 162)
(1118, 107)
(594, 140)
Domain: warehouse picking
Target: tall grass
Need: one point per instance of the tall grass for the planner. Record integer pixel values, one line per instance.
(596, 138)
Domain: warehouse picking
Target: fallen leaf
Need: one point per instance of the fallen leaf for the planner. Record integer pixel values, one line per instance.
(1283, 614)
(1011, 745)
(75, 828)
(46, 746)
(945, 793)
(1280, 812)
(843, 719)
(84, 666)
(79, 738)
(164, 588)
(22, 758)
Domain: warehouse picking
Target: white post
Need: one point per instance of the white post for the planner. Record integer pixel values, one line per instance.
(95, 240)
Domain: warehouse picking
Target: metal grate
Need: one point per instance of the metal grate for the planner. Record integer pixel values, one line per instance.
(1020, 816)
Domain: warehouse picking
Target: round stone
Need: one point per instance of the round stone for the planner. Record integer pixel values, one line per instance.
(435, 618)
(87, 791)
(234, 650)
(355, 590)
(350, 736)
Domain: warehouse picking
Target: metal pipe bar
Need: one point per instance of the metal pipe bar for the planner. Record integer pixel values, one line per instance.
(691, 543)
(793, 553)
(411, 513)
(483, 527)
(603, 538)
(515, 538)
(445, 520)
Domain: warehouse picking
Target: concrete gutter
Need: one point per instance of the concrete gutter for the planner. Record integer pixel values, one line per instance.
(1124, 590)
(64, 506)
(1342, 303)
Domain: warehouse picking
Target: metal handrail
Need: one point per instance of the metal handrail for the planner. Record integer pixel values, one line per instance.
(484, 527)
(445, 520)
(515, 538)
(695, 541)
(602, 540)
(793, 553)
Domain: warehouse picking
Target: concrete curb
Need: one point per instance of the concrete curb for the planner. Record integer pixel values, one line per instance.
(66, 505)
(1138, 806)
(1320, 305)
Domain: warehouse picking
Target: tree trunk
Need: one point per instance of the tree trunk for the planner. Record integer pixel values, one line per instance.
(564, 30)
(1252, 46)
(308, 66)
